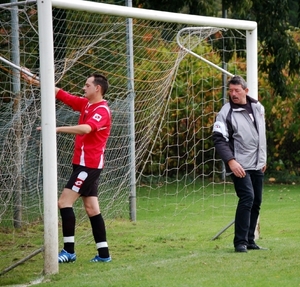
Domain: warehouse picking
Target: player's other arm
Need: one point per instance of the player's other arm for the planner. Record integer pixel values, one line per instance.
(75, 130)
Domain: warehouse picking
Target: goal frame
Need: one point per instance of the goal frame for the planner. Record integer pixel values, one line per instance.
(48, 82)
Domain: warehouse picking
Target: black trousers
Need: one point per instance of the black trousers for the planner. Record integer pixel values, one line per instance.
(249, 191)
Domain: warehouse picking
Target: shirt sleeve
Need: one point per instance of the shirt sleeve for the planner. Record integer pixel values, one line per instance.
(72, 101)
(100, 118)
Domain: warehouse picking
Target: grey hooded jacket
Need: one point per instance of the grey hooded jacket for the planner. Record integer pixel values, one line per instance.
(236, 136)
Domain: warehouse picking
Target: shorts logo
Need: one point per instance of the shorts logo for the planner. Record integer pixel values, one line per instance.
(97, 117)
(79, 181)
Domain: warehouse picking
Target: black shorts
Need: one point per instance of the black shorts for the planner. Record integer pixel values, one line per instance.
(84, 180)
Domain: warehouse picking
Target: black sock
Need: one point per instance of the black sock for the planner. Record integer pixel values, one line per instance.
(99, 233)
(68, 228)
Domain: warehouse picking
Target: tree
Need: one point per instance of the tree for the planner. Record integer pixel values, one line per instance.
(196, 7)
(279, 55)
(294, 12)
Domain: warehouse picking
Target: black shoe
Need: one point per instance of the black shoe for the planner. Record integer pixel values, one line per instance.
(240, 248)
(253, 246)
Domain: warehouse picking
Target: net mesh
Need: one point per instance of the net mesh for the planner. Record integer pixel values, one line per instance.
(176, 97)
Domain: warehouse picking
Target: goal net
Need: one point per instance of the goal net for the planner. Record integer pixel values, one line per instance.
(176, 96)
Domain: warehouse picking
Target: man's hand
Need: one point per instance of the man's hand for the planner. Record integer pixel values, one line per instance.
(32, 80)
(236, 168)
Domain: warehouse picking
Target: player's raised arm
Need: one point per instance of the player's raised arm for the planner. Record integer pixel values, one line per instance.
(32, 79)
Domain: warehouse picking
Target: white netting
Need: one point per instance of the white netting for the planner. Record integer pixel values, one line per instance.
(172, 126)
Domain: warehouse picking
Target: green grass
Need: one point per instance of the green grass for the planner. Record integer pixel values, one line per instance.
(168, 248)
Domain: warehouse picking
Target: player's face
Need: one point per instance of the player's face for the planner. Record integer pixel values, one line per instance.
(90, 89)
(238, 94)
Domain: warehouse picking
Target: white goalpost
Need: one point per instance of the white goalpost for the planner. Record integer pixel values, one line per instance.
(166, 84)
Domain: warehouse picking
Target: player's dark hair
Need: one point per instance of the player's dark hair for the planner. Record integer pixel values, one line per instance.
(238, 80)
(101, 81)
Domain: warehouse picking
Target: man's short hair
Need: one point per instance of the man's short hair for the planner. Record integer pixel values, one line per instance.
(101, 81)
(238, 80)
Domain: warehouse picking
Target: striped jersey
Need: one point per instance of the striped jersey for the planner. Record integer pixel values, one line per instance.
(89, 148)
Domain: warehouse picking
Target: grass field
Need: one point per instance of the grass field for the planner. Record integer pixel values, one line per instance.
(162, 249)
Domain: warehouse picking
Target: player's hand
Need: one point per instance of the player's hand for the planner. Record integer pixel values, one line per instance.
(236, 168)
(32, 80)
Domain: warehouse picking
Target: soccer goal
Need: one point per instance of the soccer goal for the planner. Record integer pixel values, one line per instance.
(167, 75)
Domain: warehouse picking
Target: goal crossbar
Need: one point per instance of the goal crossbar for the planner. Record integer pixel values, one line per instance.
(147, 14)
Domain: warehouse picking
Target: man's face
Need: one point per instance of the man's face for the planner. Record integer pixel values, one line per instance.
(89, 88)
(238, 94)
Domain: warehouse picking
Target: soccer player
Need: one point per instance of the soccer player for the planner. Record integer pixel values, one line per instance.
(91, 135)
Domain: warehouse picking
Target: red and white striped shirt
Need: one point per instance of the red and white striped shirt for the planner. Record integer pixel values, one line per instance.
(89, 148)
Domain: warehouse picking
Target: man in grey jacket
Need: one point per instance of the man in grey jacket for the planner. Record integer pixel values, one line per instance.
(239, 136)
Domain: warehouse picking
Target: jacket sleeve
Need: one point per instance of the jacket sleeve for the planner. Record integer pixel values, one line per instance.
(222, 139)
